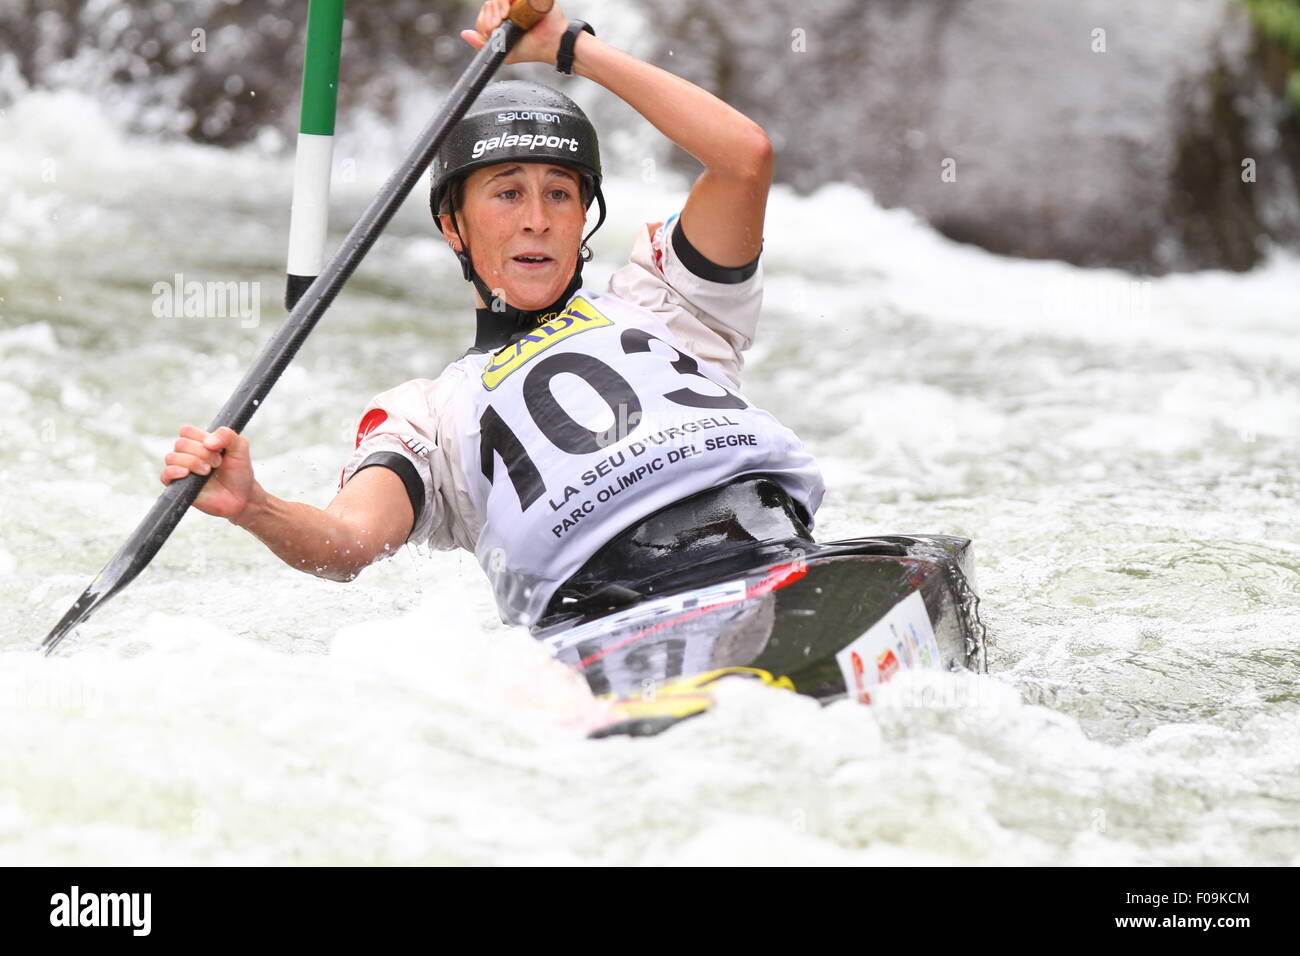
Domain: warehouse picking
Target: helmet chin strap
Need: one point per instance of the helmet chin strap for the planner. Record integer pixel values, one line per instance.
(499, 322)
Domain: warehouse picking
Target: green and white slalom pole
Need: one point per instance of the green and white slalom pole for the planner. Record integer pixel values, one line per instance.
(309, 215)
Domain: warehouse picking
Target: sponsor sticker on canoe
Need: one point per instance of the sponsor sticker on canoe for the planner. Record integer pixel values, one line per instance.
(901, 640)
(650, 611)
(579, 317)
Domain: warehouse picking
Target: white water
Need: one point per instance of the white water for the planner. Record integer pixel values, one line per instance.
(1124, 458)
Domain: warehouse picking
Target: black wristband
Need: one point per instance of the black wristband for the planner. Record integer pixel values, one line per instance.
(564, 56)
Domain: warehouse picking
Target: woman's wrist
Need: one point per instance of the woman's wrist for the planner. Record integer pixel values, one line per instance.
(555, 50)
(254, 509)
(550, 45)
(583, 48)
(567, 49)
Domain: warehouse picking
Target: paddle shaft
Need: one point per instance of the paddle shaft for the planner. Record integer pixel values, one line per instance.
(279, 351)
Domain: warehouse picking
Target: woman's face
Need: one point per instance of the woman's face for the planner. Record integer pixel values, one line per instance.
(523, 225)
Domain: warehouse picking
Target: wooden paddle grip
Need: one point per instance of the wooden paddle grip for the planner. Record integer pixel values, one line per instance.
(526, 14)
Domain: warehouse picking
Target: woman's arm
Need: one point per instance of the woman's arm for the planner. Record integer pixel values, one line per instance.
(723, 216)
(370, 517)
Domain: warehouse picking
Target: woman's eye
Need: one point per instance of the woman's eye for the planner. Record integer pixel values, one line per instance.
(559, 195)
(509, 193)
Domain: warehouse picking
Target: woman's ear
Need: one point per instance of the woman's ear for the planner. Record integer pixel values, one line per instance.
(449, 232)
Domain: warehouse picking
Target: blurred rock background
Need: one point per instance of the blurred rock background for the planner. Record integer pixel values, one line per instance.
(1155, 137)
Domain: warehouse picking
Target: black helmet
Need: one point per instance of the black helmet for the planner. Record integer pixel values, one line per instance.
(519, 120)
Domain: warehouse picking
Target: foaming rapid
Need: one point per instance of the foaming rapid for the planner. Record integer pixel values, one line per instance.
(1122, 451)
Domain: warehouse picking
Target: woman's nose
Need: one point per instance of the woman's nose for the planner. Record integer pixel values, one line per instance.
(536, 215)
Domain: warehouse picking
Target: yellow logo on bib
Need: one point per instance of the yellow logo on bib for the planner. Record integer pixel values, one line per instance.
(580, 316)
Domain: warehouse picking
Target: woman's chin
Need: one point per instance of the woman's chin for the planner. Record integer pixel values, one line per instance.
(532, 296)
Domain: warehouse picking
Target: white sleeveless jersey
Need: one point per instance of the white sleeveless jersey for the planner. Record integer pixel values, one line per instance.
(536, 455)
(588, 424)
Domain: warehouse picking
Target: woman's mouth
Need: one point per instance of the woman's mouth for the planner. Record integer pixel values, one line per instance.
(533, 261)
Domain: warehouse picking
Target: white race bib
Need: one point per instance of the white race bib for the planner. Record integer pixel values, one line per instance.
(588, 424)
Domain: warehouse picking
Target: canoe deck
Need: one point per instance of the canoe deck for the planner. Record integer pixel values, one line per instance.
(835, 622)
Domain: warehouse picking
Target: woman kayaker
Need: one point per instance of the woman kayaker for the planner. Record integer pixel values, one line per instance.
(585, 428)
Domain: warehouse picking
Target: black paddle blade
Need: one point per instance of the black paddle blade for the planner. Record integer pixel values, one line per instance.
(90, 599)
(133, 556)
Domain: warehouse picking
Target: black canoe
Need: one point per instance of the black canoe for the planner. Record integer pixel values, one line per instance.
(745, 591)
